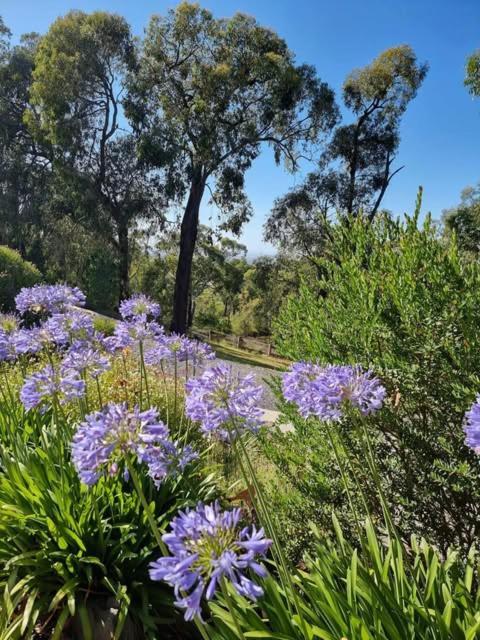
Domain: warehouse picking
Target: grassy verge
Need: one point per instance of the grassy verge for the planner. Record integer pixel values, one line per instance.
(227, 352)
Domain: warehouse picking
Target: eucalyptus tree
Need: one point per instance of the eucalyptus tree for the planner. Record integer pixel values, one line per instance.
(24, 165)
(208, 94)
(358, 165)
(76, 95)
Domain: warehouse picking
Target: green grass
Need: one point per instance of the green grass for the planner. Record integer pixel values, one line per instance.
(227, 352)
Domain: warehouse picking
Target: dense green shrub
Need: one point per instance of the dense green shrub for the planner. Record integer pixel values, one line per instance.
(15, 273)
(400, 299)
(100, 281)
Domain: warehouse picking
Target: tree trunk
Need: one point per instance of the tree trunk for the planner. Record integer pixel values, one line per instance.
(124, 261)
(188, 239)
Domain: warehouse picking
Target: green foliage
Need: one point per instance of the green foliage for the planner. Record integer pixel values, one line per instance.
(472, 76)
(15, 273)
(100, 279)
(366, 593)
(69, 554)
(403, 301)
(104, 325)
(464, 220)
(356, 168)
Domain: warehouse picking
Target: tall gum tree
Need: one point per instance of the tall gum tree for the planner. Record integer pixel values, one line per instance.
(357, 166)
(208, 93)
(76, 95)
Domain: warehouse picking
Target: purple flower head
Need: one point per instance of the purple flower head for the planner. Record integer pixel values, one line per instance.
(137, 306)
(8, 329)
(208, 545)
(217, 398)
(45, 299)
(195, 352)
(297, 386)
(85, 358)
(52, 333)
(163, 457)
(160, 352)
(70, 326)
(472, 426)
(7, 347)
(325, 392)
(106, 437)
(41, 387)
(130, 332)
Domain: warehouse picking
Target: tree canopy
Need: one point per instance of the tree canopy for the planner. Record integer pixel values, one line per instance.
(209, 92)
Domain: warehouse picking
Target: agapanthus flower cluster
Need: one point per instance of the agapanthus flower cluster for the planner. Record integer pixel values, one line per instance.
(209, 545)
(139, 305)
(45, 299)
(74, 325)
(472, 426)
(41, 388)
(84, 358)
(184, 349)
(130, 332)
(297, 386)
(224, 404)
(107, 437)
(57, 331)
(325, 392)
(8, 329)
(162, 456)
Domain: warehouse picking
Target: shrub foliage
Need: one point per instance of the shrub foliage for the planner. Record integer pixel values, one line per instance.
(399, 299)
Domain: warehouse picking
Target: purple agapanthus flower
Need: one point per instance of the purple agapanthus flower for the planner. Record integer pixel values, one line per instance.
(9, 325)
(131, 332)
(163, 457)
(139, 305)
(104, 440)
(325, 392)
(85, 358)
(195, 352)
(70, 326)
(7, 346)
(224, 404)
(160, 352)
(297, 386)
(472, 426)
(45, 299)
(209, 545)
(40, 388)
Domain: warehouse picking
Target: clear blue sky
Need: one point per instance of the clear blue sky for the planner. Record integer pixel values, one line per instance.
(440, 145)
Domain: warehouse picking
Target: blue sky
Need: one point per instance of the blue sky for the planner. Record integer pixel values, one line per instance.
(440, 133)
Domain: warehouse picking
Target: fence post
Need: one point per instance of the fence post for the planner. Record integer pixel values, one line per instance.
(239, 338)
(269, 351)
(209, 335)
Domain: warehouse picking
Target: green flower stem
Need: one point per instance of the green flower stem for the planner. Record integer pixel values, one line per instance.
(270, 526)
(344, 479)
(378, 484)
(392, 529)
(99, 392)
(231, 609)
(156, 531)
(165, 389)
(175, 382)
(151, 520)
(144, 373)
(125, 373)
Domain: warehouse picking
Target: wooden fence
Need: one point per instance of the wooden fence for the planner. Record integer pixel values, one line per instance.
(258, 345)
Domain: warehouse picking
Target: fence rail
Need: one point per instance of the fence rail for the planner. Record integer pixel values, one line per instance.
(258, 345)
